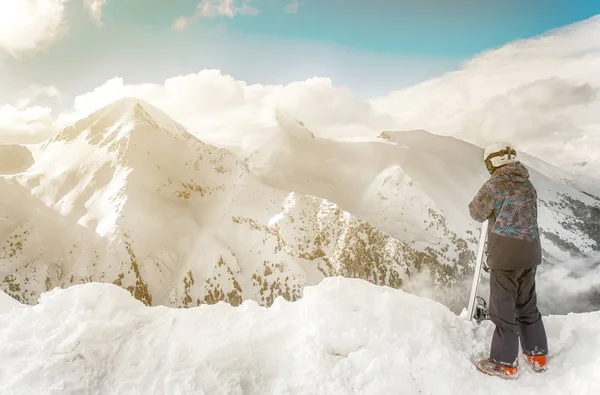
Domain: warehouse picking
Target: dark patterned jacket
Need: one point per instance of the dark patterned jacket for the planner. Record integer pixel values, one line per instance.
(509, 201)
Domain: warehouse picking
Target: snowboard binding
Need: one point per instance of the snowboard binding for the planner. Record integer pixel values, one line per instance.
(481, 312)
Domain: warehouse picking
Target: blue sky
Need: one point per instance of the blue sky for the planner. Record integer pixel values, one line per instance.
(432, 28)
(372, 46)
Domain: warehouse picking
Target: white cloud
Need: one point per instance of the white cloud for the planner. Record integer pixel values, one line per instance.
(216, 8)
(34, 92)
(25, 125)
(95, 8)
(31, 119)
(28, 25)
(292, 7)
(219, 109)
(540, 93)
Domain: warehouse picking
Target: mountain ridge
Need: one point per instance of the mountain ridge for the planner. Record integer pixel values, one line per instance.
(179, 222)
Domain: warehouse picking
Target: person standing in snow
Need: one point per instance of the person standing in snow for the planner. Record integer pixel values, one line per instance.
(508, 200)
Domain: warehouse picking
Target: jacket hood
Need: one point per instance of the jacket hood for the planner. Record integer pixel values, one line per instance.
(513, 172)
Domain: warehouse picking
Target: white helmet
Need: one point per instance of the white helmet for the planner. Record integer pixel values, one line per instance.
(499, 154)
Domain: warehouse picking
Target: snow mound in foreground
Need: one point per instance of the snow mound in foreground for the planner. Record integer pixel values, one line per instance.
(344, 336)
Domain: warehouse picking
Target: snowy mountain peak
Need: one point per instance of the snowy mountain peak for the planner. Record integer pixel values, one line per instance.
(117, 120)
(137, 203)
(292, 126)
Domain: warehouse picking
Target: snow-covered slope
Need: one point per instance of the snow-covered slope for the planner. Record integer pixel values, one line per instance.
(417, 186)
(343, 337)
(127, 196)
(569, 218)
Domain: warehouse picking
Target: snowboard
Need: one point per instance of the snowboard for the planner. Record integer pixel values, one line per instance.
(477, 309)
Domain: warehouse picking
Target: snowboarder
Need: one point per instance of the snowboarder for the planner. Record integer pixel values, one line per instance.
(508, 200)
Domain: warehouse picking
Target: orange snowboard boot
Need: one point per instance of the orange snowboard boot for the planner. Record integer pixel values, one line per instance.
(488, 367)
(537, 362)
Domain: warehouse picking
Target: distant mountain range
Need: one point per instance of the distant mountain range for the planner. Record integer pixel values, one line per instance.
(128, 196)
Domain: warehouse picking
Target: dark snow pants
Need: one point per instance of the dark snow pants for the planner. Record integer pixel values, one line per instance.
(513, 309)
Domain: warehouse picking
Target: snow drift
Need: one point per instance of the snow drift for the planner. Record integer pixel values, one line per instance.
(343, 337)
